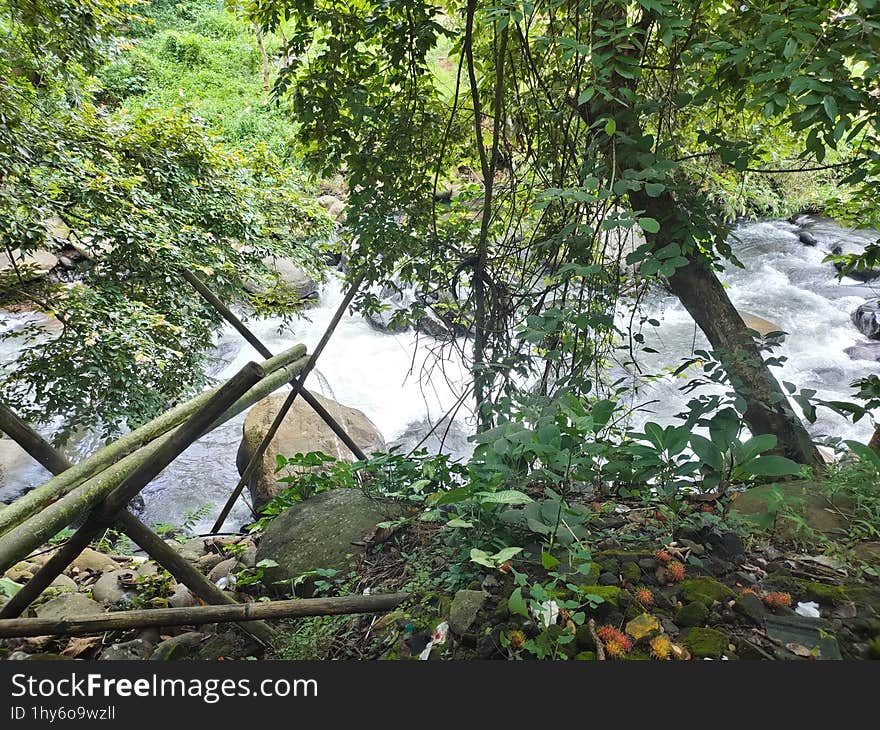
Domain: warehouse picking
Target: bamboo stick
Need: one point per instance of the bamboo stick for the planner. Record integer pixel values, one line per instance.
(153, 545)
(104, 515)
(31, 441)
(37, 498)
(21, 525)
(255, 342)
(197, 615)
(288, 402)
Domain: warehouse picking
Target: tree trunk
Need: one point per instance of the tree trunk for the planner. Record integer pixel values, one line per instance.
(701, 293)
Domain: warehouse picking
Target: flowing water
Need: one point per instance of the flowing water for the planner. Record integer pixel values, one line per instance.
(783, 281)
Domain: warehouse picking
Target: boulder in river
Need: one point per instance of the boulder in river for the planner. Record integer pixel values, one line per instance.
(762, 326)
(30, 265)
(807, 238)
(864, 351)
(301, 431)
(290, 277)
(329, 530)
(867, 318)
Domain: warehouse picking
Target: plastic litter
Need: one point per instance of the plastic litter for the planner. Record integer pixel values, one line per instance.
(810, 609)
(439, 637)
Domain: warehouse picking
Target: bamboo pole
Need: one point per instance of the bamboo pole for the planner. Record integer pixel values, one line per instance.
(32, 521)
(186, 573)
(31, 441)
(255, 342)
(105, 514)
(292, 608)
(288, 402)
(155, 546)
(37, 498)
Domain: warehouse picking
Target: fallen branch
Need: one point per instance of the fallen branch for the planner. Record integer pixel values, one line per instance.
(197, 615)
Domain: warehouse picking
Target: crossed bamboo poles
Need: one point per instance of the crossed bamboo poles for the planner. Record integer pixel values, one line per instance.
(137, 459)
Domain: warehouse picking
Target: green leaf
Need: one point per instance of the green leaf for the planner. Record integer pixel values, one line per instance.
(864, 453)
(708, 452)
(516, 603)
(458, 522)
(772, 466)
(505, 554)
(610, 127)
(481, 557)
(549, 561)
(830, 107)
(505, 496)
(649, 225)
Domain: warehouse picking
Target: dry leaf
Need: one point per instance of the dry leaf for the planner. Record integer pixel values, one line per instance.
(799, 650)
(80, 645)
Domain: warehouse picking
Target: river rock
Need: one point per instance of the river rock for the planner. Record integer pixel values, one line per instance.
(64, 584)
(864, 351)
(289, 276)
(821, 513)
(67, 606)
(182, 597)
(464, 609)
(223, 571)
(30, 265)
(866, 318)
(321, 532)
(90, 559)
(807, 238)
(301, 431)
(762, 326)
(334, 206)
(399, 300)
(108, 589)
(136, 649)
(12, 457)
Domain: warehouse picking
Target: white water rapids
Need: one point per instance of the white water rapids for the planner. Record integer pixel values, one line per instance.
(784, 281)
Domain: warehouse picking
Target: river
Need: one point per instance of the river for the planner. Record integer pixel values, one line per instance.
(783, 281)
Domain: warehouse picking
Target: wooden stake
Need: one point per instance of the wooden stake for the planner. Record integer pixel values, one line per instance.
(288, 402)
(255, 342)
(197, 615)
(158, 549)
(33, 531)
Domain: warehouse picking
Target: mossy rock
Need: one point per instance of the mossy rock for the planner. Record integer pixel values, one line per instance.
(636, 655)
(584, 639)
(704, 590)
(820, 511)
(631, 571)
(703, 642)
(610, 598)
(585, 656)
(692, 614)
(874, 649)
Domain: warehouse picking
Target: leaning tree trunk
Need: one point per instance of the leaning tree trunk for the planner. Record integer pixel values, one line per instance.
(701, 293)
(695, 284)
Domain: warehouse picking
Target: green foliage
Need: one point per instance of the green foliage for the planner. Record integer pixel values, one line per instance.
(143, 192)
